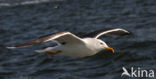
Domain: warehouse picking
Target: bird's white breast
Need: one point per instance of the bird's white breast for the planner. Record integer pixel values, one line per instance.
(77, 50)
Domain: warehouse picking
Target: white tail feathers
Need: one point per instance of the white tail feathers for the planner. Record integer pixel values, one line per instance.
(11, 47)
(40, 51)
(45, 50)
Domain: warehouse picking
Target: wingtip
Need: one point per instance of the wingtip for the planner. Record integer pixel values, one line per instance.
(126, 31)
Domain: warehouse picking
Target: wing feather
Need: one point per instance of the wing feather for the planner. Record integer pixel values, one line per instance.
(108, 31)
(56, 37)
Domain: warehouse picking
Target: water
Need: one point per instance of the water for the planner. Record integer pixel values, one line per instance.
(24, 20)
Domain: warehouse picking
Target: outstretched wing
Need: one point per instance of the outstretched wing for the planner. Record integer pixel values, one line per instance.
(61, 37)
(110, 31)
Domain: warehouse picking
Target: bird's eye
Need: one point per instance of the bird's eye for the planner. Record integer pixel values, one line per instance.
(101, 43)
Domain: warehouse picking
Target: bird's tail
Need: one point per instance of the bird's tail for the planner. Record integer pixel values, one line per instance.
(40, 51)
(44, 50)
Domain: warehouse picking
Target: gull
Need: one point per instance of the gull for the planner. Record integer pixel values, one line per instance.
(69, 44)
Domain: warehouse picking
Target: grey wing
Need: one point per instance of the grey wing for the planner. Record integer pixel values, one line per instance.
(109, 31)
(61, 37)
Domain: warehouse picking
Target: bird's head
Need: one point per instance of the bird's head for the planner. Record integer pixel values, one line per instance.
(103, 46)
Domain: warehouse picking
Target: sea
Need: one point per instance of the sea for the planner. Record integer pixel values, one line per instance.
(25, 20)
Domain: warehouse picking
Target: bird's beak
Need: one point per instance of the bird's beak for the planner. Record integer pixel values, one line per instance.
(109, 49)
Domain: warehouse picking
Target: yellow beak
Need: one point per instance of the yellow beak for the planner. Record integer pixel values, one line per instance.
(109, 49)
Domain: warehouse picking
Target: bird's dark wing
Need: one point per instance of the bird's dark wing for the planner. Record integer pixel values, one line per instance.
(61, 37)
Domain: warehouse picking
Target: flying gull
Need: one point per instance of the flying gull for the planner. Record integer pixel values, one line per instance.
(69, 44)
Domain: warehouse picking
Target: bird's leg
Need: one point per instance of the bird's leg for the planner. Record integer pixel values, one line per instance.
(52, 53)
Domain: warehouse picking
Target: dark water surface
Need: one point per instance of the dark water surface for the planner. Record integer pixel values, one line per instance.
(24, 20)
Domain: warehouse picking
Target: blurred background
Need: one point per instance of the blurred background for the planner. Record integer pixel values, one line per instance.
(24, 20)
